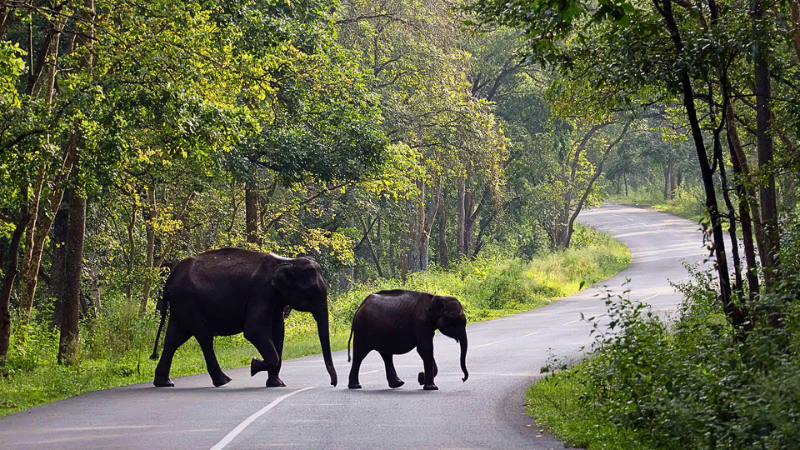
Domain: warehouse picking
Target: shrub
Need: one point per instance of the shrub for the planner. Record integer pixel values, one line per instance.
(692, 383)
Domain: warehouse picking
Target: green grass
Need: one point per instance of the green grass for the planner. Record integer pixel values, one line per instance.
(52, 382)
(116, 347)
(556, 404)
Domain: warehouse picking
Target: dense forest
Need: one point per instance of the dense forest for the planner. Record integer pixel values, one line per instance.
(384, 138)
(379, 137)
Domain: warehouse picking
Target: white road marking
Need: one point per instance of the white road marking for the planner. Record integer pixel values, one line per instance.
(239, 428)
(656, 295)
(492, 374)
(371, 371)
(576, 320)
(503, 340)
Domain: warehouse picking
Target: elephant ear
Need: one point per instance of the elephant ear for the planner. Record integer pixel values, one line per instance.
(436, 308)
(290, 276)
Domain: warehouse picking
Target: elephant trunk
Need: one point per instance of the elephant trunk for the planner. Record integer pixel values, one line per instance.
(325, 343)
(463, 340)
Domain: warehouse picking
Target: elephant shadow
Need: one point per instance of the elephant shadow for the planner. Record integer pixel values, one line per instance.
(389, 392)
(217, 391)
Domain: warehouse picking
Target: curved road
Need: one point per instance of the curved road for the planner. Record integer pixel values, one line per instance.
(485, 412)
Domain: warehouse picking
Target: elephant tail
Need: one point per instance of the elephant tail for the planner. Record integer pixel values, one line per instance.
(348, 343)
(162, 306)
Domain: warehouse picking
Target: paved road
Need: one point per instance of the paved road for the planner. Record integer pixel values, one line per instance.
(485, 412)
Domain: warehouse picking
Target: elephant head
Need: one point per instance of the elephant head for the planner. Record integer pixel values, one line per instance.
(449, 318)
(303, 288)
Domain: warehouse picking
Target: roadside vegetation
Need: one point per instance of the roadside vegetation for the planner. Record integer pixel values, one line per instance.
(723, 372)
(116, 347)
(691, 382)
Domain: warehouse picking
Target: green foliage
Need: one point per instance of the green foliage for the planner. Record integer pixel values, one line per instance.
(557, 404)
(691, 383)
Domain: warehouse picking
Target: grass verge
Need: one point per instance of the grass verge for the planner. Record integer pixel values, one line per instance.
(556, 403)
(115, 346)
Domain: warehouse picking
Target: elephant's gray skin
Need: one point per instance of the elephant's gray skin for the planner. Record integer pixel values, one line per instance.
(229, 291)
(394, 322)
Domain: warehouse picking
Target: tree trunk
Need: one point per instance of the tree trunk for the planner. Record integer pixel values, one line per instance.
(750, 191)
(668, 187)
(392, 263)
(444, 262)
(131, 249)
(794, 30)
(251, 213)
(150, 215)
(68, 341)
(412, 237)
(30, 273)
(58, 266)
(625, 177)
(369, 247)
(769, 207)
(737, 264)
(93, 300)
(426, 225)
(744, 218)
(462, 215)
(9, 275)
(733, 313)
(39, 228)
(469, 220)
(347, 273)
(403, 257)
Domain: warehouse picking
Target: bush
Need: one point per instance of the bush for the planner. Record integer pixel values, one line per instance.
(693, 383)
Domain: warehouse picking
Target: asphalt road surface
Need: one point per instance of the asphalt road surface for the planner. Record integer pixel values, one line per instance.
(487, 411)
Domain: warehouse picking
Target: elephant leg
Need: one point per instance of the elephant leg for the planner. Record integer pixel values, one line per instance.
(262, 339)
(218, 377)
(175, 337)
(421, 375)
(391, 373)
(425, 351)
(278, 330)
(360, 351)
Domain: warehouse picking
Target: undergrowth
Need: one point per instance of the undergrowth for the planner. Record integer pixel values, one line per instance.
(688, 384)
(115, 346)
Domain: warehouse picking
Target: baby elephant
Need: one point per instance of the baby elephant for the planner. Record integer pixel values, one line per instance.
(394, 322)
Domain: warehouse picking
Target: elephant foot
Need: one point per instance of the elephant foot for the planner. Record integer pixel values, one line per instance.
(430, 387)
(396, 384)
(421, 378)
(163, 382)
(275, 382)
(222, 381)
(354, 386)
(256, 366)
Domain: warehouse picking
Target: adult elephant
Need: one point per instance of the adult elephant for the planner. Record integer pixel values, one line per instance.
(394, 322)
(230, 291)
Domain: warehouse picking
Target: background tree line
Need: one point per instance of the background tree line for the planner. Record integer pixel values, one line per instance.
(381, 137)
